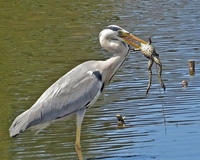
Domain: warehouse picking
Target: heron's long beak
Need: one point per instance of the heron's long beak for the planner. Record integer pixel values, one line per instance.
(131, 40)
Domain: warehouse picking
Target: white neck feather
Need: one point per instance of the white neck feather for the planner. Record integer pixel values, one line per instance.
(115, 45)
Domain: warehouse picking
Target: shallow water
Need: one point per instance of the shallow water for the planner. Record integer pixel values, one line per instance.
(41, 41)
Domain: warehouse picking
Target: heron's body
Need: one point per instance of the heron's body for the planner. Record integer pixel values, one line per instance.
(87, 76)
(79, 88)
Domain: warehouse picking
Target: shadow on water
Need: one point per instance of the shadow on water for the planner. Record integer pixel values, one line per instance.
(41, 41)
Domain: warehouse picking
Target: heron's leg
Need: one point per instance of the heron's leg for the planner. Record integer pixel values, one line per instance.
(150, 63)
(159, 66)
(79, 119)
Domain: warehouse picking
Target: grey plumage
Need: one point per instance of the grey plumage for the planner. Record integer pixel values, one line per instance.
(62, 98)
(77, 90)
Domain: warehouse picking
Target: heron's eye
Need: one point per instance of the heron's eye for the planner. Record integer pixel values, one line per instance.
(120, 33)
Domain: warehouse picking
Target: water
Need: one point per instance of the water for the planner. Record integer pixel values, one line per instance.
(41, 41)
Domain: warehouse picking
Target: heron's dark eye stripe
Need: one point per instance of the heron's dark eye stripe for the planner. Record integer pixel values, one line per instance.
(97, 75)
(113, 28)
(114, 39)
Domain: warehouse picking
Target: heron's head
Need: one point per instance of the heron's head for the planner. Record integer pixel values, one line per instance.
(116, 39)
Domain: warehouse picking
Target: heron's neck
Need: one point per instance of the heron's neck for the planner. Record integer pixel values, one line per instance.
(113, 64)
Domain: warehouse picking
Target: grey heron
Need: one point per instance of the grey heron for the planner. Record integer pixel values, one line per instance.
(78, 89)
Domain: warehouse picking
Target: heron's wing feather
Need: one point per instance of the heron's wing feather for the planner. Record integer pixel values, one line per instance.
(68, 81)
(67, 101)
(77, 89)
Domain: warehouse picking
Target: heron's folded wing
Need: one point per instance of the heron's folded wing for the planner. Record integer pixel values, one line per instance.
(67, 101)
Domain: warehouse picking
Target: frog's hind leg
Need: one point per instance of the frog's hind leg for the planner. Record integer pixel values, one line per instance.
(159, 67)
(150, 64)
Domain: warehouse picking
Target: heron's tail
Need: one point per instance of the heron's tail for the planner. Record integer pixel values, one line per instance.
(20, 124)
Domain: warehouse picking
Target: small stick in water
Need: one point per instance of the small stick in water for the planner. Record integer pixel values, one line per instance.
(120, 120)
(191, 64)
(184, 83)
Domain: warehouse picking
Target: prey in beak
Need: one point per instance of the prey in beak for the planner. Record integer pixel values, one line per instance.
(148, 51)
(131, 39)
